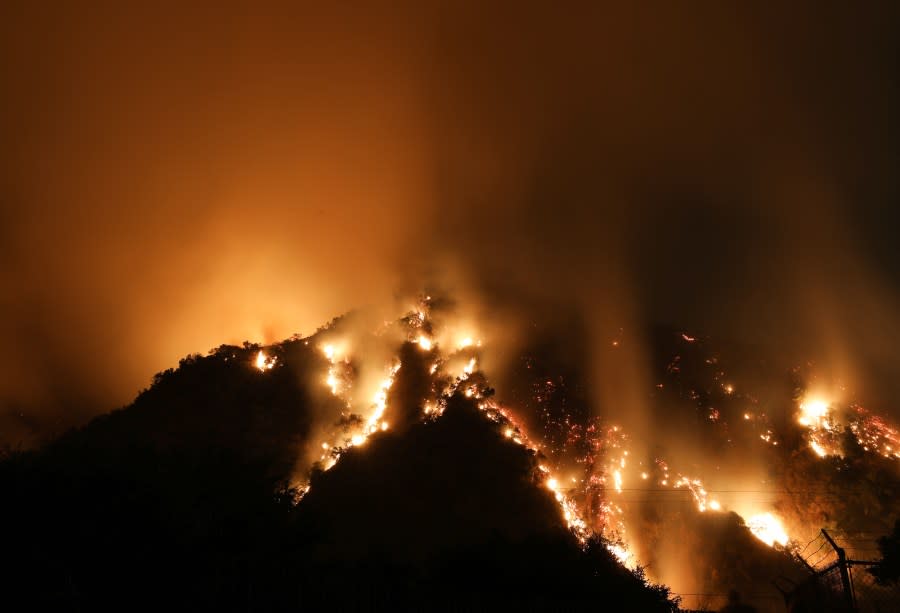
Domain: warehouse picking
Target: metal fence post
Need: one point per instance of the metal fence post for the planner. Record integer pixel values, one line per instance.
(845, 574)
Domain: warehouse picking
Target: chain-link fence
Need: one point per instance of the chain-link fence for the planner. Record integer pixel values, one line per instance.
(846, 586)
(840, 582)
(822, 592)
(869, 596)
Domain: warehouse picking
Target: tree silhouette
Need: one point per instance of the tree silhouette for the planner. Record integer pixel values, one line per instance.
(180, 501)
(888, 569)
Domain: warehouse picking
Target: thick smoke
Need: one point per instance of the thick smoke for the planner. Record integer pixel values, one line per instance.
(175, 179)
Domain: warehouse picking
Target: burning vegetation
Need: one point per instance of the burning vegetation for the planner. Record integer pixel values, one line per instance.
(721, 492)
(798, 448)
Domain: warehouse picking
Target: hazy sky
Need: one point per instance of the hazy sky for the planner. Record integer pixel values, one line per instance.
(177, 178)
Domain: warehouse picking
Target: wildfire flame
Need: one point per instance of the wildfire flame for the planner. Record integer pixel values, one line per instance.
(425, 343)
(701, 496)
(812, 412)
(263, 362)
(589, 502)
(767, 528)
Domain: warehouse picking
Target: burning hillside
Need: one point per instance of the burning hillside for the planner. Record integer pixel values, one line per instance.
(358, 429)
(732, 457)
(628, 268)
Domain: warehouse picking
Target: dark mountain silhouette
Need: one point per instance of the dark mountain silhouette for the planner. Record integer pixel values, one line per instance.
(181, 501)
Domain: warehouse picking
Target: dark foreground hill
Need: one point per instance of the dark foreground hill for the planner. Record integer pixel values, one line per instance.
(180, 501)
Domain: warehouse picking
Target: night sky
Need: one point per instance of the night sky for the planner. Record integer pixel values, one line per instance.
(178, 177)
